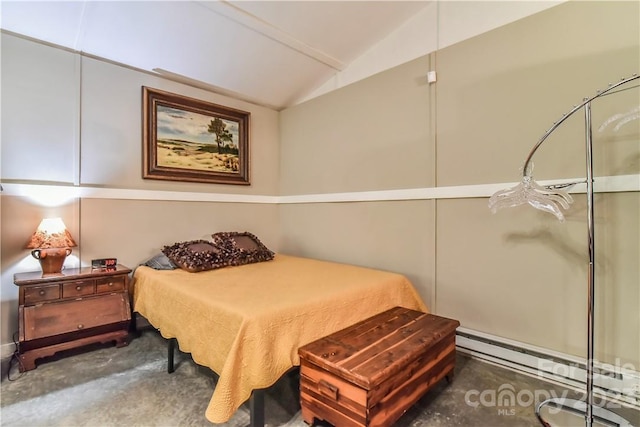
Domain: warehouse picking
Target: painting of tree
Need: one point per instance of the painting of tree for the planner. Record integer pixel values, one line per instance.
(192, 140)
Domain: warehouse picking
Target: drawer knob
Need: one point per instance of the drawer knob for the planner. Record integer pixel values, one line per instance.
(78, 288)
(80, 326)
(41, 292)
(110, 283)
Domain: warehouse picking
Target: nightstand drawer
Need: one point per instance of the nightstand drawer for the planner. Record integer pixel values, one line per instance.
(69, 316)
(110, 284)
(37, 294)
(78, 288)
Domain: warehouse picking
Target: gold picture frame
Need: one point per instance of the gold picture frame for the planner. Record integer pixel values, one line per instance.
(190, 140)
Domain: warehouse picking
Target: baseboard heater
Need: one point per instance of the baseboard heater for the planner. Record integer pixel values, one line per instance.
(617, 383)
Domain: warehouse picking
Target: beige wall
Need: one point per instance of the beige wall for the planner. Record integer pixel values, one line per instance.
(370, 135)
(519, 274)
(524, 274)
(76, 122)
(392, 236)
(499, 92)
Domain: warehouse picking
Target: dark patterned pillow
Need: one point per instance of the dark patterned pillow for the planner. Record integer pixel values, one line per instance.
(195, 255)
(239, 248)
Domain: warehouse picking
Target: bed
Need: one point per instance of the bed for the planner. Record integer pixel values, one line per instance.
(247, 322)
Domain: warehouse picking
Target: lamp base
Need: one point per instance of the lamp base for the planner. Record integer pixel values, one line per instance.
(51, 259)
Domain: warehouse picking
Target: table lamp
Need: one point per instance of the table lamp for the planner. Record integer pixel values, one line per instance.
(51, 244)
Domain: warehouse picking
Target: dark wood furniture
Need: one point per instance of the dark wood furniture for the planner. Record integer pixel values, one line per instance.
(74, 308)
(370, 373)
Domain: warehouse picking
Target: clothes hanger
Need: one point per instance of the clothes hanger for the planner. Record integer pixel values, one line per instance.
(553, 198)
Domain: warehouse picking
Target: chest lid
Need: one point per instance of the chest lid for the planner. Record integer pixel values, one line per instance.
(374, 349)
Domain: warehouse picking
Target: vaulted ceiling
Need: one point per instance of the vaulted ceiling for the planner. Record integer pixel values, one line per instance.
(269, 52)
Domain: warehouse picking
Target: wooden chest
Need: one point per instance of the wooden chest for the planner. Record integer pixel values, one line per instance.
(370, 373)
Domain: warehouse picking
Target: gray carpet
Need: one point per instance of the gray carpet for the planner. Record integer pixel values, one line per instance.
(129, 386)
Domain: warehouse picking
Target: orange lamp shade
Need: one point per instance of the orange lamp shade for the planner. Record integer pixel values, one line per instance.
(51, 244)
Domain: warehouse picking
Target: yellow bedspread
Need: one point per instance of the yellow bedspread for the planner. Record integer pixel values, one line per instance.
(246, 323)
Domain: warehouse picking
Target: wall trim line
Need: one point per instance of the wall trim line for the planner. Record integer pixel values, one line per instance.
(86, 192)
(605, 184)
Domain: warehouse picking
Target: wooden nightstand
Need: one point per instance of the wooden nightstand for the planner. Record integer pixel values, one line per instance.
(77, 307)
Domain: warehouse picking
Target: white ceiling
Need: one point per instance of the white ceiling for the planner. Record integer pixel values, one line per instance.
(269, 52)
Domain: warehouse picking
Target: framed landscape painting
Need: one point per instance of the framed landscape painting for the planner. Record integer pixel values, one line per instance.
(185, 139)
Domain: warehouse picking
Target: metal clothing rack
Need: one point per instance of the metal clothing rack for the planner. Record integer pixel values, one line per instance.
(550, 199)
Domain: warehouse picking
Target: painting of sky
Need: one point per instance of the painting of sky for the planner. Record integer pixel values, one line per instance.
(177, 124)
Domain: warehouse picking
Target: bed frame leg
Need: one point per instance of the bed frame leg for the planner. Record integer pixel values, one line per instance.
(256, 405)
(171, 350)
(256, 402)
